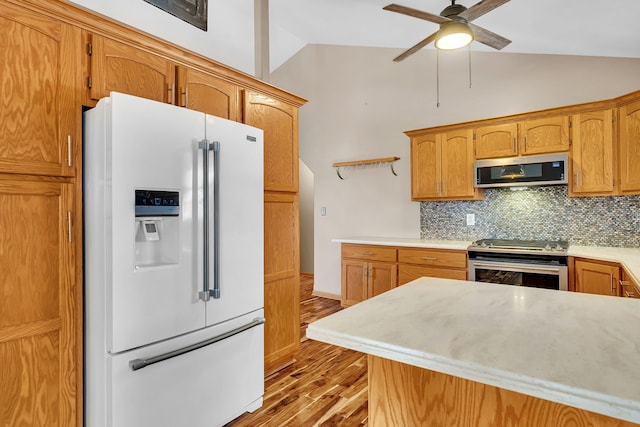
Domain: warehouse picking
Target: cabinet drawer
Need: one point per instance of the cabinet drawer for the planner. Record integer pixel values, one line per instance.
(369, 252)
(408, 273)
(433, 257)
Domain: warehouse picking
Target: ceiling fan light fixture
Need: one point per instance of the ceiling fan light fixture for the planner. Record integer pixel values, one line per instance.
(454, 35)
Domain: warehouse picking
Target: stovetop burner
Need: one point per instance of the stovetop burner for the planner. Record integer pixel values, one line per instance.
(508, 245)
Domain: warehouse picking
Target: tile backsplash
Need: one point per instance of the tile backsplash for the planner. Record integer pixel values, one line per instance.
(536, 213)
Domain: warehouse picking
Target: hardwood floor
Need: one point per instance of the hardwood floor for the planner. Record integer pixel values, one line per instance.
(326, 386)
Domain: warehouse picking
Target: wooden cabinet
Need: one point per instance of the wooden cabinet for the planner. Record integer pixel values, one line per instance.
(629, 288)
(523, 138)
(367, 271)
(597, 277)
(39, 115)
(207, 93)
(629, 154)
(442, 166)
(38, 305)
(279, 121)
(592, 154)
(414, 263)
(281, 279)
(119, 67)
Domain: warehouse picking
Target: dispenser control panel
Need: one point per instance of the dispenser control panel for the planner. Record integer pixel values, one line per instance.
(157, 203)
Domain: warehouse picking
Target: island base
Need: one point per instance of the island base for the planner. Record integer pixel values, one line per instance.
(405, 395)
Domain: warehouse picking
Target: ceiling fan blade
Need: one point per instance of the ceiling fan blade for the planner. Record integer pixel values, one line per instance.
(489, 38)
(416, 13)
(480, 8)
(415, 48)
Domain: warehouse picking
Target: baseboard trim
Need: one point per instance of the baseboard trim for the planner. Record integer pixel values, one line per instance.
(326, 295)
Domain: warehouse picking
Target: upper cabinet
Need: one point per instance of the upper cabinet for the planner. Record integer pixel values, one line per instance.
(629, 154)
(118, 67)
(442, 166)
(279, 121)
(207, 93)
(523, 138)
(38, 74)
(592, 159)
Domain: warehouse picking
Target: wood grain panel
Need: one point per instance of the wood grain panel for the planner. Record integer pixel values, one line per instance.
(207, 93)
(630, 148)
(592, 153)
(383, 276)
(119, 67)
(280, 124)
(404, 395)
(281, 234)
(37, 76)
(282, 326)
(354, 281)
(408, 273)
(369, 252)
(547, 135)
(457, 164)
(597, 277)
(425, 166)
(433, 257)
(37, 303)
(496, 141)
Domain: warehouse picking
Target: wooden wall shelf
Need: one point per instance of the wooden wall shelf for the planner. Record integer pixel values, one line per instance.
(382, 161)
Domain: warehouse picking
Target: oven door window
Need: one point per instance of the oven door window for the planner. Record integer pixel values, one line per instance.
(532, 279)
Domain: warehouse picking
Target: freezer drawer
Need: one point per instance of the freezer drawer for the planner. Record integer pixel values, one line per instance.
(208, 386)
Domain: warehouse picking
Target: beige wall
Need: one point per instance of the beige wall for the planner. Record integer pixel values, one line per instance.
(360, 102)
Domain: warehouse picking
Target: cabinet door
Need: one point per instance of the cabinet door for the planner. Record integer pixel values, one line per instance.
(425, 166)
(354, 281)
(122, 68)
(37, 322)
(281, 279)
(38, 74)
(207, 93)
(630, 148)
(548, 135)
(628, 286)
(280, 124)
(381, 278)
(597, 278)
(592, 153)
(457, 164)
(496, 141)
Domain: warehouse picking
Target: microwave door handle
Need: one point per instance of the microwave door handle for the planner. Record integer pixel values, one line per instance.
(518, 267)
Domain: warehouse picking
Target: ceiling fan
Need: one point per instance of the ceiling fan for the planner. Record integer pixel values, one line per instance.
(454, 20)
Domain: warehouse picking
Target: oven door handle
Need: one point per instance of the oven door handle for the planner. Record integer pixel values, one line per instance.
(525, 268)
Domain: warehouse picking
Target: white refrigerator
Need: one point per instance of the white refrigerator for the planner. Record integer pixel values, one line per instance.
(173, 247)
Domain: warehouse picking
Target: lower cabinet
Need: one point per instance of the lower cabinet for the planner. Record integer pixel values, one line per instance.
(597, 277)
(418, 262)
(367, 271)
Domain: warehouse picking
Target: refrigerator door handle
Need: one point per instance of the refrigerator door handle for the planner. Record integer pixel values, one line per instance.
(137, 364)
(207, 292)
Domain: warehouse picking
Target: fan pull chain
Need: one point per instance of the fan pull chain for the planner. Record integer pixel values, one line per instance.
(437, 78)
(469, 46)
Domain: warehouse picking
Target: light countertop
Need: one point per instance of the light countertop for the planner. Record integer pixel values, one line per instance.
(629, 258)
(571, 348)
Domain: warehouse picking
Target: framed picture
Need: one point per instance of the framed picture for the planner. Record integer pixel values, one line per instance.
(192, 11)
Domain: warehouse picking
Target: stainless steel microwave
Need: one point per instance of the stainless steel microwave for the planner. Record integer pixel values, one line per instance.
(548, 169)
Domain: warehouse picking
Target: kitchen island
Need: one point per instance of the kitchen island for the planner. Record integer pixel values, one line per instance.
(449, 352)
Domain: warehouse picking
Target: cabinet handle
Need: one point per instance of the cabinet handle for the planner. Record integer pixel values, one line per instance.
(513, 143)
(184, 97)
(629, 294)
(69, 226)
(364, 272)
(367, 253)
(525, 143)
(613, 288)
(426, 258)
(170, 94)
(69, 151)
(578, 179)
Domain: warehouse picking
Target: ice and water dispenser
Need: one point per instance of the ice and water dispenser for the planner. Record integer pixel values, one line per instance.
(157, 240)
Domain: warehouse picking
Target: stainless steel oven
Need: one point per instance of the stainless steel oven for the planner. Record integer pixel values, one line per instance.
(531, 263)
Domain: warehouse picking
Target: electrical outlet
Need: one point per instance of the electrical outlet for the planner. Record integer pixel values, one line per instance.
(323, 211)
(471, 219)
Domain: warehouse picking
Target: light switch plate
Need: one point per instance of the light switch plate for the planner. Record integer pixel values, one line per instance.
(471, 219)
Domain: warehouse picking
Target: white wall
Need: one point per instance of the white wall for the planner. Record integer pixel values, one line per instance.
(360, 102)
(230, 35)
(306, 185)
